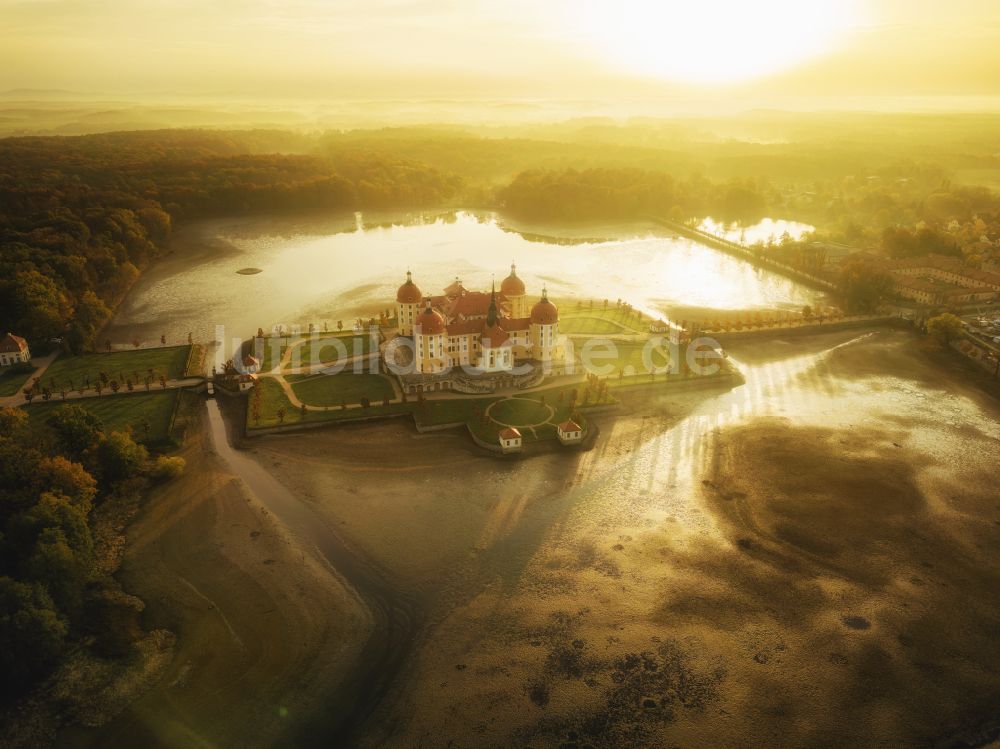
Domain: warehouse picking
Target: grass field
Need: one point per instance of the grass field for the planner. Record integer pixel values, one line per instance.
(608, 359)
(520, 411)
(273, 398)
(120, 412)
(569, 311)
(528, 409)
(629, 368)
(344, 387)
(327, 351)
(169, 360)
(11, 382)
(592, 326)
(270, 349)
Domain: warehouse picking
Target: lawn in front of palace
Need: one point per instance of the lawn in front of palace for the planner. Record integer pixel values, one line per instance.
(309, 348)
(579, 318)
(343, 387)
(72, 372)
(148, 415)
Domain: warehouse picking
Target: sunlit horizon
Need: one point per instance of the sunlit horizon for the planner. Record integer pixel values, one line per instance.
(322, 51)
(717, 41)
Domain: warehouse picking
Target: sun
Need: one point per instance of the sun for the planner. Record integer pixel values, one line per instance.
(714, 41)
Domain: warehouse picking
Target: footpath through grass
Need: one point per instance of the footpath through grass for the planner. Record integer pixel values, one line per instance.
(13, 380)
(272, 399)
(330, 349)
(318, 348)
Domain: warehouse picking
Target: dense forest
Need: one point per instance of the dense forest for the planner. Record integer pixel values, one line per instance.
(81, 217)
(630, 193)
(55, 590)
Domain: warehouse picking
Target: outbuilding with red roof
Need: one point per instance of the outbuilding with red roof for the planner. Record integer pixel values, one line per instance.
(14, 350)
(569, 432)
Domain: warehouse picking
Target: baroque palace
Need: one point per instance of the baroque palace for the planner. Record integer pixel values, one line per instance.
(462, 336)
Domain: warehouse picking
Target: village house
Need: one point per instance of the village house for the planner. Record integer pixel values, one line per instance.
(14, 350)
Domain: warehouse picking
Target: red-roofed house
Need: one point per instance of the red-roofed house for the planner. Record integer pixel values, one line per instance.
(14, 350)
(510, 440)
(251, 364)
(569, 432)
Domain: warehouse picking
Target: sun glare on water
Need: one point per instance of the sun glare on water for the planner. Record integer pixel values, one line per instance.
(714, 41)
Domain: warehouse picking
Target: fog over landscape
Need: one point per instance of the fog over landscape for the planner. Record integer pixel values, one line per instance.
(546, 375)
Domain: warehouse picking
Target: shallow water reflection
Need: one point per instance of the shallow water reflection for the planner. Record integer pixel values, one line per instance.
(657, 469)
(340, 269)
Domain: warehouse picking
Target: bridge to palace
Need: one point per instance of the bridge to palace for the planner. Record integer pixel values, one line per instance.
(742, 252)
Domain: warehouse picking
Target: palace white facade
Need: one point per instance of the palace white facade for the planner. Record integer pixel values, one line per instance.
(489, 331)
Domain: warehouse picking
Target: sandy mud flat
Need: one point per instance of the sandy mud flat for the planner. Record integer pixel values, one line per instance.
(804, 561)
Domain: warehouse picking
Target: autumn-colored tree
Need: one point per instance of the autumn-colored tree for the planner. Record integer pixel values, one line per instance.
(945, 327)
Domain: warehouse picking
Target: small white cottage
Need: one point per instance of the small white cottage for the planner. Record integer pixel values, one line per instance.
(569, 432)
(510, 440)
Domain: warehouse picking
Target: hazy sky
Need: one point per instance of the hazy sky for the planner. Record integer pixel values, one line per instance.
(517, 48)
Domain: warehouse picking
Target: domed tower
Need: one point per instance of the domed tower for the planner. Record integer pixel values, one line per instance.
(407, 305)
(544, 328)
(512, 288)
(430, 353)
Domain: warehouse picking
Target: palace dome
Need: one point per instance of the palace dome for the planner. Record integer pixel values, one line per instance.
(408, 293)
(430, 322)
(545, 312)
(512, 285)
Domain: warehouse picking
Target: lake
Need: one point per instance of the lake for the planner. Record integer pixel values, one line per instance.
(324, 270)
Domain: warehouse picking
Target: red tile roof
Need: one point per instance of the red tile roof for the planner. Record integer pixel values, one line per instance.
(472, 304)
(569, 426)
(465, 327)
(13, 344)
(494, 337)
(509, 433)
